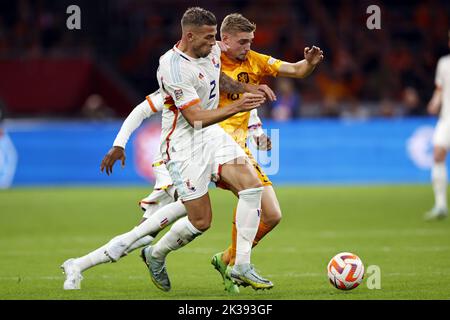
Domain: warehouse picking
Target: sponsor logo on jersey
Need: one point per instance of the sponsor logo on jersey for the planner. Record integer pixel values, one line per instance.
(178, 94)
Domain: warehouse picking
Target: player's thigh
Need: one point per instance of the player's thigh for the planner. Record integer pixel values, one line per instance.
(271, 211)
(441, 140)
(236, 170)
(259, 171)
(199, 212)
(240, 175)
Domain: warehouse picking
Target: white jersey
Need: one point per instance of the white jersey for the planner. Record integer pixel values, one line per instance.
(184, 82)
(443, 81)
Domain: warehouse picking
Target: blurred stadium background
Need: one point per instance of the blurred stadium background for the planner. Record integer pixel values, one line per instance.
(362, 112)
(359, 119)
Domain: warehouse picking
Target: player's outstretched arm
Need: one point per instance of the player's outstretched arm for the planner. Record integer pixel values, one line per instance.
(200, 118)
(142, 111)
(435, 103)
(303, 68)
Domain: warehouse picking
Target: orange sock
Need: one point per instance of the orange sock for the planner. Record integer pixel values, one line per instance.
(263, 229)
(230, 254)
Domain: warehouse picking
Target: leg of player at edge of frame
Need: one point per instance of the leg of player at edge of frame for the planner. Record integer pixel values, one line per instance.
(159, 206)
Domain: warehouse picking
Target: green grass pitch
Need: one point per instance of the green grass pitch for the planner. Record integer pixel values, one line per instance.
(40, 228)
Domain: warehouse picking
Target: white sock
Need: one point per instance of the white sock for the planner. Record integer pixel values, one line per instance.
(247, 221)
(93, 258)
(156, 222)
(180, 234)
(439, 180)
(142, 242)
(98, 256)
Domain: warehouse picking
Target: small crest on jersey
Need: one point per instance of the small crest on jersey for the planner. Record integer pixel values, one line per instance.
(200, 76)
(190, 186)
(178, 94)
(271, 61)
(243, 77)
(217, 65)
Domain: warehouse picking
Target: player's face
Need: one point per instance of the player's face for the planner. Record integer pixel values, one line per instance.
(239, 44)
(203, 39)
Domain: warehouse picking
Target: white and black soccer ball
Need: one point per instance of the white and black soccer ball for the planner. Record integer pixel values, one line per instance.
(345, 271)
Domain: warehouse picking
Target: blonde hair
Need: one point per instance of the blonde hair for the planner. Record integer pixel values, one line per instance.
(236, 22)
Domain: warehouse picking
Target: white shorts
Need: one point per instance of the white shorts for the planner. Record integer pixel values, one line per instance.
(441, 135)
(155, 200)
(163, 192)
(192, 170)
(163, 180)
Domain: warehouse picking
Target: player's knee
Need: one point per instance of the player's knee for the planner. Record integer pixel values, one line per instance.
(201, 224)
(252, 181)
(273, 217)
(439, 155)
(255, 184)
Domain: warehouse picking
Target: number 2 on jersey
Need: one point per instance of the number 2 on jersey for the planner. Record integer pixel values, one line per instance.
(212, 94)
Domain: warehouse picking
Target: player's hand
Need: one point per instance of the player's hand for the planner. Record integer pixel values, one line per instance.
(263, 142)
(114, 154)
(262, 89)
(267, 91)
(313, 55)
(250, 101)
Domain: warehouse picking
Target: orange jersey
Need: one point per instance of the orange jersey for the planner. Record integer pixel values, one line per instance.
(252, 70)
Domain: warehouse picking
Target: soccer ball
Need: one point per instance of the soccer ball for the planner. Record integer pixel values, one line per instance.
(345, 271)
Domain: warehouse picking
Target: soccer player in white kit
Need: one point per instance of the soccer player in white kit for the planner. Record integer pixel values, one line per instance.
(162, 197)
(161, 205)
(440, 103)
(194, 146)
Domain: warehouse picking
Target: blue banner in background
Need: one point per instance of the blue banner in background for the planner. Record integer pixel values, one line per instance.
(374, 151)
(310, 151)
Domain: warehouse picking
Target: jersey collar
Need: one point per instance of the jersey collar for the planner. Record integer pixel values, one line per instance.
(227, 61)
(182, 54)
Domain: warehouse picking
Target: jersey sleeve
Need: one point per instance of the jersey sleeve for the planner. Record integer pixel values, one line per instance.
(268, 65)
(178, 82)
(439, 79)
(151, 105)
(155, 101)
